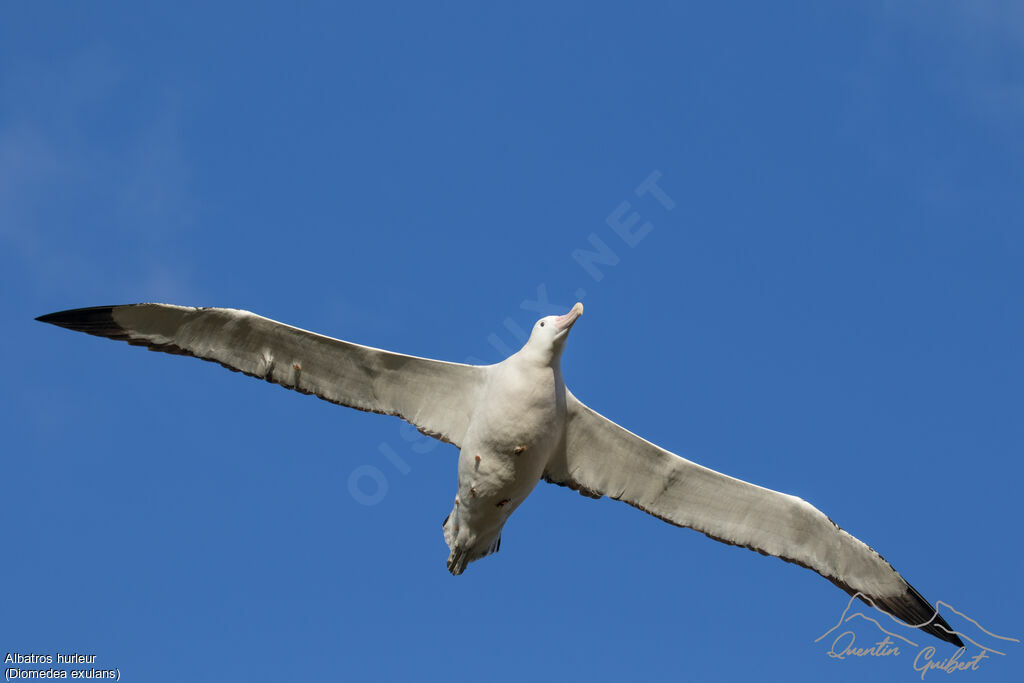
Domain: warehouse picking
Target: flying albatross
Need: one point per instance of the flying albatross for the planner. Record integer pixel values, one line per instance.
(516, 423)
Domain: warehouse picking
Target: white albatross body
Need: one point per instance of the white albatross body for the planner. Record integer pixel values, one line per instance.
(516, 423)
(516, 428)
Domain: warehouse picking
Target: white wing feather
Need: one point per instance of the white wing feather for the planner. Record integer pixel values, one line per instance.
(436, 396)
(602, 458)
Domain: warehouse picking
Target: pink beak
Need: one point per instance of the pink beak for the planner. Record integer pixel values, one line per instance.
(564, 322)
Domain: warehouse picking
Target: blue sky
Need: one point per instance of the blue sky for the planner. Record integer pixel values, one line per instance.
(830, 307)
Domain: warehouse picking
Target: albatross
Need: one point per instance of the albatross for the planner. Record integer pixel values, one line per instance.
(515, 424)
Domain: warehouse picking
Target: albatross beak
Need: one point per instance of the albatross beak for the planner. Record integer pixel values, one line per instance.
(564, 322)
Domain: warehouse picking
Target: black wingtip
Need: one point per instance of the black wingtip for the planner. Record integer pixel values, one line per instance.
(912, 609)
(939, 627)
(941, 630)
(97, 320)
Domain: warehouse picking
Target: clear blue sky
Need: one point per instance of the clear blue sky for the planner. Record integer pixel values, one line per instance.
(831, 307)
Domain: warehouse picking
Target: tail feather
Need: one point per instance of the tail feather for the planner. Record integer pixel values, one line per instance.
(457, 561)
(461, 556)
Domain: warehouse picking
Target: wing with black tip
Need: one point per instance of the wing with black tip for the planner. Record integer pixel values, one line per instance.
(436, 396)
(602, 458)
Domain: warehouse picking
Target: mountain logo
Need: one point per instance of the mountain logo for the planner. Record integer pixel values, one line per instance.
(875, 634)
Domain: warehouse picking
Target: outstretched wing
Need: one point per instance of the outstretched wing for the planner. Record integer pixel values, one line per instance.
(602, 458)
(437, 397)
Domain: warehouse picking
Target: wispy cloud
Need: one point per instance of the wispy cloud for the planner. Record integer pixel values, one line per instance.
(980, 39)
(86, 172)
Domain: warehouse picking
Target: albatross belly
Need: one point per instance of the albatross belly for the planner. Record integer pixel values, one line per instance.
(512, 435)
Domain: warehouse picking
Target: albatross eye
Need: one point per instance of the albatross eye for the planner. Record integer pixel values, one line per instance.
(542, 323)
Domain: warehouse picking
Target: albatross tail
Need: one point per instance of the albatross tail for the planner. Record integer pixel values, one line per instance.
(460, 555)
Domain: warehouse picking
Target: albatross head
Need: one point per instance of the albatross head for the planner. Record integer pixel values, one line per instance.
(547, 339)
